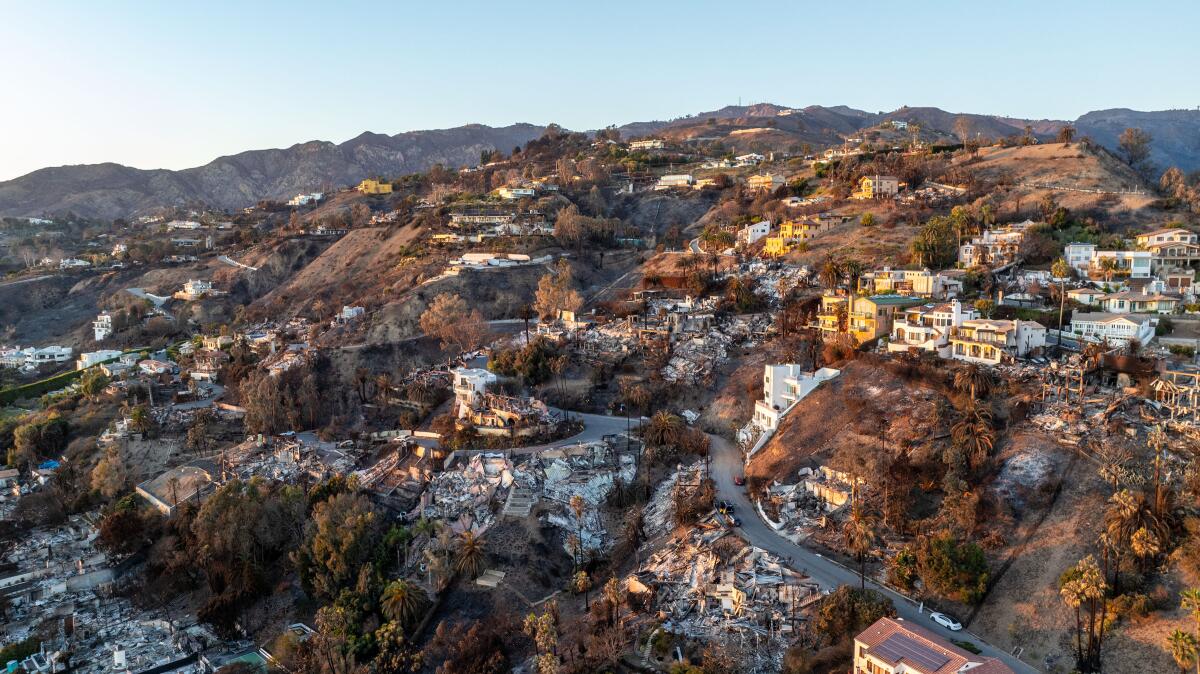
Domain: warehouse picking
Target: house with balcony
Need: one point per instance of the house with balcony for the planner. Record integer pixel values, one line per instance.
(863, 318)
(776, 246)
(1116, 329)
(1143, 301)
(470, 386)
(995, 247)
(1171, 248)
(915, 282)
(990, 342)
(784, 386)
(1107, 264)
(896, 646)
(102, 327)
(766, 181)
(927, 327)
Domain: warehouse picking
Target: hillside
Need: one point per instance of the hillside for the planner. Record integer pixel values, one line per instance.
(1074, 174)
(110, 190)
(1176, 133)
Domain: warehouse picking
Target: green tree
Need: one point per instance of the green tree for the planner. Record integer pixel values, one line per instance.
(953, 569)
(340, 537)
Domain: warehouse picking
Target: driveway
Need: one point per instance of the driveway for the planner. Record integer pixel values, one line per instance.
(727, 463)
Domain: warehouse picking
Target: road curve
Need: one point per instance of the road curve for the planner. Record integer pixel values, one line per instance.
(727, 463)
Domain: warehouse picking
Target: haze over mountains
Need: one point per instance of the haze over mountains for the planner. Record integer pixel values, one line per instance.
(112, 190)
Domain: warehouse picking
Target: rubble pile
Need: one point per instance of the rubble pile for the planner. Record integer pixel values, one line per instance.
(462, 498)
(751, 594)
(590, 472)
(802, 507)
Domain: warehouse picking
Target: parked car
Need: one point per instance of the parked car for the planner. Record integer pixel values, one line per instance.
(739, 480)
(946, 621)
(725, 507)
(736, 522)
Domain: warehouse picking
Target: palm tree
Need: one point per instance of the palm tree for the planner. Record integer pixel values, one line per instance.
(665, 429)
(852, 270)
(1144, 545)
(1127, 512)
(1190, 600)
(831, 273)
(1184, 649)
(975, 380)
(525, 313)
(974, 433)
(1061, 271)
(583, 583)
(470, 554)
(403, 602)
(859, 535)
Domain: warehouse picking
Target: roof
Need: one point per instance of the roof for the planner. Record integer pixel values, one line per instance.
(1102, 317)
(1166, 230)
(1138, 295)
(895, 641)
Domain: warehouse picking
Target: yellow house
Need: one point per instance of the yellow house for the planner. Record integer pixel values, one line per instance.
(765, 181)
(776, 246)
(800, 231)
(372, 186)
(871, 187)
(866, 318)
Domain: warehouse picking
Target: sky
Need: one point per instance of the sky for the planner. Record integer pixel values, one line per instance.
(177, 84)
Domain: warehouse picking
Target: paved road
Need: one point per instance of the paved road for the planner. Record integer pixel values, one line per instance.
(727, 463)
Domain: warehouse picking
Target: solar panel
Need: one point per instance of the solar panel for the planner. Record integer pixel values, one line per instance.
(900, 647)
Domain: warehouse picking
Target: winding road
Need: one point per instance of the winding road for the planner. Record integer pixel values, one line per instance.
(727, 464)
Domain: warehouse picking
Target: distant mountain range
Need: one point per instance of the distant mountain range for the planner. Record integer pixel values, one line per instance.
(111, 190)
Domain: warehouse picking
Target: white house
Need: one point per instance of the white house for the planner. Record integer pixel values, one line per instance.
(1084, 258)
(73, 263)
(513, 193)
(784, 386)
(91, 358)
(184, 224)
(102, 327)
(470, 383)
(306, 199)
(928, 327)
(668, 182)
(646, 144)
(194, 290)
(1115, 328)
(989, 342)
(348, 314)
(752, 159)
(751, 233)
(49, 354)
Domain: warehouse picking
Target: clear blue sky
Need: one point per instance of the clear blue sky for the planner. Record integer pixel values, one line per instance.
(174, 84)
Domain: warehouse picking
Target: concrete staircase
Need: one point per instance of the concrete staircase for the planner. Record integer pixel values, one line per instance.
(519, 503)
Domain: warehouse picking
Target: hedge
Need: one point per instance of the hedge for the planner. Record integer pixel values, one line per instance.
(39, 388)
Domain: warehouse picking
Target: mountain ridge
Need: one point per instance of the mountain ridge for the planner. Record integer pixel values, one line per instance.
(109, 190)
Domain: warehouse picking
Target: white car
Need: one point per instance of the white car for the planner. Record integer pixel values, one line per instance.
(946, 621)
